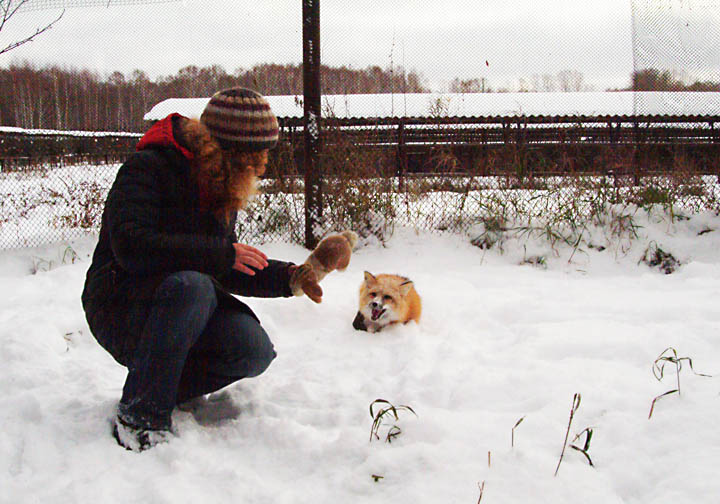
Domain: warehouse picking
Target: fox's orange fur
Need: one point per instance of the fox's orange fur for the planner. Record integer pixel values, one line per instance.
(387, 299)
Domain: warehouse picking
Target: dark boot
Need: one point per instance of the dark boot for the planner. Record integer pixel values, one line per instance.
(136, 438)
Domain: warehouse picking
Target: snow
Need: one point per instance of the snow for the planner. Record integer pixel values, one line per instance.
(475, 104)
(498, 341)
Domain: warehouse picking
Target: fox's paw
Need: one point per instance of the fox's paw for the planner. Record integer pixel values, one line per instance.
(359, 322)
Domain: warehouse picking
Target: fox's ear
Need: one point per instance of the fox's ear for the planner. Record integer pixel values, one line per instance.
(405, 287)
(369, 278)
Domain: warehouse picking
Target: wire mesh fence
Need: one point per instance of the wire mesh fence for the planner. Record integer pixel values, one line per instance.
(367, 187)
(560, 142)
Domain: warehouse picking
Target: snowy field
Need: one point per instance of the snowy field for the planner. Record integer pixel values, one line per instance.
(498, 342)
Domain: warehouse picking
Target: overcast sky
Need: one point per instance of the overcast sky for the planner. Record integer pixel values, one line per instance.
(499, 40)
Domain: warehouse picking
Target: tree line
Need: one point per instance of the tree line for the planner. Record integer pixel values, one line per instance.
(58, 98)
(649, 79)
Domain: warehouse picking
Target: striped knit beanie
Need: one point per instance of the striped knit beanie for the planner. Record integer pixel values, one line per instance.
(241, 119)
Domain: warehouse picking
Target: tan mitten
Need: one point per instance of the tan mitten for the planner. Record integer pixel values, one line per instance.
(304, 281)
(332, 253)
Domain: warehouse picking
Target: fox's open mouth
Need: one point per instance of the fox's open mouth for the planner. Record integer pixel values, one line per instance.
(377, 313)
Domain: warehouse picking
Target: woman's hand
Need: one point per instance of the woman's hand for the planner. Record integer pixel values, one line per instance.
(245, 256)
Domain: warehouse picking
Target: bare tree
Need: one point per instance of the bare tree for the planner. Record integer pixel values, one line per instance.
(571, 80)
(469, 86)
(8, 8)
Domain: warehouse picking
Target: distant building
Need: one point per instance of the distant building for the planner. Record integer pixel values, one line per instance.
(417, 105)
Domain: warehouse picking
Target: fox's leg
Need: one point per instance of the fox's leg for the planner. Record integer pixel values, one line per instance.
(375, 327)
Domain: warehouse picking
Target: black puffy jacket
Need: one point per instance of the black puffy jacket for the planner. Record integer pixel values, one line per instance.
(152, 225)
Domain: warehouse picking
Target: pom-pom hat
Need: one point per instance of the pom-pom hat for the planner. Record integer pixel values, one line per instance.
(241, 119)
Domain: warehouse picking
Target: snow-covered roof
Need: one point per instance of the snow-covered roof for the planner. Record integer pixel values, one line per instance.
(46, 132)
(476, 105)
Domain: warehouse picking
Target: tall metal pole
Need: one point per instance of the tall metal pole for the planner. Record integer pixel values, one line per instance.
(311, 121)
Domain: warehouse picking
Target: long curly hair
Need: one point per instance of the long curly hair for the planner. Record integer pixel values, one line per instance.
(226, 180)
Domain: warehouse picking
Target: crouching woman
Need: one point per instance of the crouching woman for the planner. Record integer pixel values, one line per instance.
(158, 294)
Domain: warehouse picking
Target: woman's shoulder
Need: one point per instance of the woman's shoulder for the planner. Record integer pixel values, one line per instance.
(155, 160)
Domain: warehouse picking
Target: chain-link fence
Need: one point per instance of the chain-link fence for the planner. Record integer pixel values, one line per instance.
(488, 147)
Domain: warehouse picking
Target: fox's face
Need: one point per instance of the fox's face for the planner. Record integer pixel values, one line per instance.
(383, 299)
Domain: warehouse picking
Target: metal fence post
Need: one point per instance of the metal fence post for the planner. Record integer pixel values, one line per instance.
(401, 161)
(311, 120)
(715, 141)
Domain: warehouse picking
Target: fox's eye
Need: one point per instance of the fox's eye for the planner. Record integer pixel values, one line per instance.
(387, 298)
(373, 294)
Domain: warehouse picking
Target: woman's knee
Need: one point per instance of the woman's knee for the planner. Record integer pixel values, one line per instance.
(247, 347)
(259, 350)
(191, 286)
(260, 361)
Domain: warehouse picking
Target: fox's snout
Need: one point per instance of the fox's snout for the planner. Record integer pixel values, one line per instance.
(377, 310)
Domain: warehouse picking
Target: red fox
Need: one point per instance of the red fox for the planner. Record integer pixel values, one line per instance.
(385, 300)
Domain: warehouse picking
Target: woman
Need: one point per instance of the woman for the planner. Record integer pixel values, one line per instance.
(157, 295)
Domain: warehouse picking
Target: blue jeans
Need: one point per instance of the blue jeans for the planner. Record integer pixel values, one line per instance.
(190, 347)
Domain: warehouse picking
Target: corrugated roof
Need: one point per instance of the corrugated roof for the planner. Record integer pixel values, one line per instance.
(477, 105)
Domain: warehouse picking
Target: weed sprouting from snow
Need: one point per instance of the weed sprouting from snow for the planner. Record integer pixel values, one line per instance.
(512, 432)
(390, 410)
(655, 257)
(587, 431)
(575, 406)
(40, 264)
(538, 261)
(621, 226)
(670, 356)
(481, 487)
(69, 255)
(490, 232)
(558, 217)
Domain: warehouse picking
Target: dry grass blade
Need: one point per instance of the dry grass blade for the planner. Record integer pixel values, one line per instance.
(584, 453)
(659, 364)
(575, 406)
(586, 446)
(380, 415)
(512, 432)
(376, 401)
(392, 433)
(672, 358)
(481, 486)
(652, 406)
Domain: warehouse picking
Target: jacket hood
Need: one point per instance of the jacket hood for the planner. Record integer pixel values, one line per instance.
(161, 134)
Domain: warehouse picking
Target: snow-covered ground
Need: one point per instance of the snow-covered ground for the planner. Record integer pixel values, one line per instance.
(498, 342)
